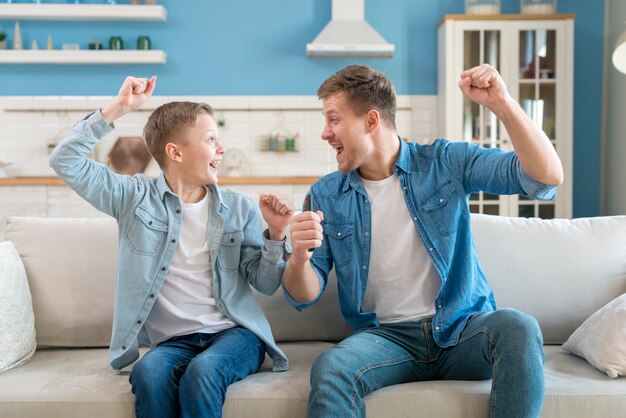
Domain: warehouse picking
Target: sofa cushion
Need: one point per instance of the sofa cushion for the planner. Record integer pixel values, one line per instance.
(601, 339)
(80, 383)
(560, 271)
(71, 269)
(17, 321)
(70, 264)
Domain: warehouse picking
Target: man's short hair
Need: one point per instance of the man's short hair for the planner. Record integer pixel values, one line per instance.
(170, 123)
(365, 89)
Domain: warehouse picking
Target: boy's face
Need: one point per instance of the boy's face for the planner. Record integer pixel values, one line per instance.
(346, 133)
(202, 152)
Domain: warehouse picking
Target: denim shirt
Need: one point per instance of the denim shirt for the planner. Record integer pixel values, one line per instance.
(149, 218)
(437, 180)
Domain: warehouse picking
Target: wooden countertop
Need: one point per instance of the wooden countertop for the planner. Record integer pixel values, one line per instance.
(56, 181)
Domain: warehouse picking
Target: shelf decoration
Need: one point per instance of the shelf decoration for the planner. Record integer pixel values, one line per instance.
(17, 37)
(281, 138)
(537, 7)
(482, 7)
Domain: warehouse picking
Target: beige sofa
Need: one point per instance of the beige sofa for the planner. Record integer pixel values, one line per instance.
(559, 271)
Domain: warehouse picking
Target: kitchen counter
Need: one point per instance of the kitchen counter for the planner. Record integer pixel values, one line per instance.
(56, 181)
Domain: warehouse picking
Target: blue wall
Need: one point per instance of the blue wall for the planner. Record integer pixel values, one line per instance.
(247, 47)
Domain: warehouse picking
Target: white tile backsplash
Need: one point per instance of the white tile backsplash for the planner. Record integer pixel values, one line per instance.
(28, 124)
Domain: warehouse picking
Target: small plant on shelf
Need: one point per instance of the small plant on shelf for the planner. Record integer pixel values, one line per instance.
(3, 37)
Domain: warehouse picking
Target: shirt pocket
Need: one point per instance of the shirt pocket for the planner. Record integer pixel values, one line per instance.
(441, 209)
(146, 232)
(230, 251)
(340, 242)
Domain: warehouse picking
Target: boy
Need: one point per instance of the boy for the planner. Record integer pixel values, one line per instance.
(187, 254)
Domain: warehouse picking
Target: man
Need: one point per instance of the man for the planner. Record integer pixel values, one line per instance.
(395, 224)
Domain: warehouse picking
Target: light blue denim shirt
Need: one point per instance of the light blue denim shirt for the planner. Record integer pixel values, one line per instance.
(437, 180)
(149, 218)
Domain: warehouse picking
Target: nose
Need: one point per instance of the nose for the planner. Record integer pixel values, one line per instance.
(220, 146)
(327, 134)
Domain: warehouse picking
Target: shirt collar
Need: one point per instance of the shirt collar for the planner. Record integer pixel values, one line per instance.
(162, 188)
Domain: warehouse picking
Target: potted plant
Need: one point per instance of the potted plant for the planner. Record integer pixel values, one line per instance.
(3, 37)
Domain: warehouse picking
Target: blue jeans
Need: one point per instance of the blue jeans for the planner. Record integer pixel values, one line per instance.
(505, 345)
(187, 376)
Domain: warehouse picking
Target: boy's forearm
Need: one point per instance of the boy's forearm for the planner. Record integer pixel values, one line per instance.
(113, 111)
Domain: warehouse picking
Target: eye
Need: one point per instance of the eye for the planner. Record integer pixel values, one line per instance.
(211, 139)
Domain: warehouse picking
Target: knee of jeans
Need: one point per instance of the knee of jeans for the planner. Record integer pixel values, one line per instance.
(521, 328)
(327, 367)
(149, 371)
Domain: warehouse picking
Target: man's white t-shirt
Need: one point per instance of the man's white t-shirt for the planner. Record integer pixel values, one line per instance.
(185, 304)
(402, 283)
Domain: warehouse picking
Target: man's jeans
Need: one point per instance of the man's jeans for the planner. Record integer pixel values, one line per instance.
(505, 345)
(188, 376)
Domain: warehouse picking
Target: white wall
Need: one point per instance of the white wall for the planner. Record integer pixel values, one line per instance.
(615, 141)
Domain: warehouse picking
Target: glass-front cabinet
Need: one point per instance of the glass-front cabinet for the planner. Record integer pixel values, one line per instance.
(535, 58)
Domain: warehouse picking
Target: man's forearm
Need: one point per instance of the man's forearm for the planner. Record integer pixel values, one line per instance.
(301, 281)
(533, 148)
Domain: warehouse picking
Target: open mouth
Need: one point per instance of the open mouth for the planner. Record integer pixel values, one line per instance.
(215, 163)
(338, 148)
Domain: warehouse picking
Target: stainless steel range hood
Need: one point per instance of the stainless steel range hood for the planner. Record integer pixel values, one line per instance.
(348, 35)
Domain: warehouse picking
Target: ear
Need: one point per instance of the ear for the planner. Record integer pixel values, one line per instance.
(372, 119)
(172, 152)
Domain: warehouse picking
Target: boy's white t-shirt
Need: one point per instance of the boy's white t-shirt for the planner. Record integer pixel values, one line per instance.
(185, 304)
(402, 283)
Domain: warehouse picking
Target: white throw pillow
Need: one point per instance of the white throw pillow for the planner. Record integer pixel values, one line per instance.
(17, 321)
(601, 339)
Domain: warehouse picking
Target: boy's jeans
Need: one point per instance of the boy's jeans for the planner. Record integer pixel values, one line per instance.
(187, 376)
(505, 345)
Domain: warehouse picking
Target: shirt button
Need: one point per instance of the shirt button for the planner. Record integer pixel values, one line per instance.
(415, 218)
(173, 241)
(440, 306)
(123, 347)
(440, 200)
(437, 328)
(404, 188)
(338, 234)
(162, 268)
(431, 249)
(367, 234)
(139, 321)
(177, 210)
(364, 266)
(367, 201)
(151, 295)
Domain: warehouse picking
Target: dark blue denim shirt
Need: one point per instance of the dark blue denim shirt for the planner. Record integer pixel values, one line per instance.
(437, 180)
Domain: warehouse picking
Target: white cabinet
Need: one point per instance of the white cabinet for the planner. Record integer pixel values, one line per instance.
(534, 55)
(82, 12)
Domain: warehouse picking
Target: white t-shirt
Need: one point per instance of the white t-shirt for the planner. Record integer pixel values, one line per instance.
(402, 283)
(185, 304)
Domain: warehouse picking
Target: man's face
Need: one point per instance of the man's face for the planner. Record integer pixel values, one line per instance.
(202, 152)
(346, 133)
